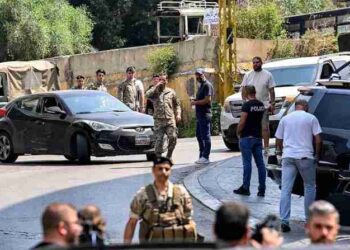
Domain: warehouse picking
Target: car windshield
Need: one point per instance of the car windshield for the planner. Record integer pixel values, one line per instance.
(333, 111)
(94, 103)
(294, 76)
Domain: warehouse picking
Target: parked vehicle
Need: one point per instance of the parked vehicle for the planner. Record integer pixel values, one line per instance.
(73, 123)
(20, 78)
(331, 106)
(289, 75)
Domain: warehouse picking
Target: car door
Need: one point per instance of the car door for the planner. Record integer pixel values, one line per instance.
(53, 133)
(24, 117)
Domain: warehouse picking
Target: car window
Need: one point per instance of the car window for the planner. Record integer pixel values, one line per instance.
(333, 111)
(327, 71)
(94, 102)
(49, 102)
(299, 75)
(29, 104)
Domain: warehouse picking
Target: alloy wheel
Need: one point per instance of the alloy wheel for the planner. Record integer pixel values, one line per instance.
(5, 147)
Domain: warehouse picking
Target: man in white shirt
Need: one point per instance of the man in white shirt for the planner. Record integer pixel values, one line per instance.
(265, 92)
(294, 137)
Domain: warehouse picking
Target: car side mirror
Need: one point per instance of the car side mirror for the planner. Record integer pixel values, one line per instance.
(335, 76)
(55, 110)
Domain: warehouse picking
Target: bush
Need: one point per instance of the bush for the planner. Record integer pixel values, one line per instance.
(261, 21)
(283, 49)
(316, 43)
(163, 60)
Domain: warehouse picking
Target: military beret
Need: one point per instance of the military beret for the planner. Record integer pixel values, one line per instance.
(161, 160)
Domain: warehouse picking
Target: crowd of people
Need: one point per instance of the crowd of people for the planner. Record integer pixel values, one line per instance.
(164, 209)
(165, 213)
(162, 103)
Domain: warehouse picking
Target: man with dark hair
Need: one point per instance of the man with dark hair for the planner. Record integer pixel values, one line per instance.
(80, 82)
(202, 103)
(149, 102)
(61, 226)
(250, 141)
(131, 91)
(165, 209)
(322, 226)
(231, 225)
(295, 135)
(99, 84)
(167, 113)
(264, 84)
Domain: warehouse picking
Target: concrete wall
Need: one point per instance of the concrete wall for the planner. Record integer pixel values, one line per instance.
(200, 52)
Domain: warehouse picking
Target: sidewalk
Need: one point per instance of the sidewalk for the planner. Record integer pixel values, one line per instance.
(213, 184)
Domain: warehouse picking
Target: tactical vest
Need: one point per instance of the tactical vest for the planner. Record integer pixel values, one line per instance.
(166, 222)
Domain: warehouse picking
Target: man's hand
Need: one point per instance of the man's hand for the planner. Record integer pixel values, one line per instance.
(193, 102)
(178, 118)
(142, 109)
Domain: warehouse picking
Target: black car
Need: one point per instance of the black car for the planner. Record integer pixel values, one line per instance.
(330, 104)
(73, 123)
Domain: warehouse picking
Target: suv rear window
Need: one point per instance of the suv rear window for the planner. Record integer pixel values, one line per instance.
(333, 111)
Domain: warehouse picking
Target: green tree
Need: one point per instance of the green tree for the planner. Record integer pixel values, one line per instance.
(295, 7)
(120, 23)
(259, 21)
(33, 29)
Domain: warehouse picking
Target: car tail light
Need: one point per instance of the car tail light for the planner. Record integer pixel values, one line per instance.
(3, 112)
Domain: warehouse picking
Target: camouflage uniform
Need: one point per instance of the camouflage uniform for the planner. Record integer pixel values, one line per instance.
(166, 108)
(97, 86)
(127, 93)
(141, 205)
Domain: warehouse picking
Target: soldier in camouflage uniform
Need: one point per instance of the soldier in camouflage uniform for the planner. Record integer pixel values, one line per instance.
(167, 112)
(131, 91)
(99, 84)
(80, 82)
(164, 208)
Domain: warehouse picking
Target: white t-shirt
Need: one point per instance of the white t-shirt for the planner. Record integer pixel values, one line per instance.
(297, 130)
(263, 82)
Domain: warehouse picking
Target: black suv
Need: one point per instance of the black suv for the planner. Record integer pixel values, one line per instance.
(330, 103)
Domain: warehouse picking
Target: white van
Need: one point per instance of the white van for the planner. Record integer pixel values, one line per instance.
(289, 75)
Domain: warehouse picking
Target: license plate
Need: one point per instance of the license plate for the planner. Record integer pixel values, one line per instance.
(142, 140)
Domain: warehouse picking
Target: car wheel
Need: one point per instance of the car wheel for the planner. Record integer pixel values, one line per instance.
(231, 145)
(83, 153)
(6, 149)
(70, 158)
(150, 157)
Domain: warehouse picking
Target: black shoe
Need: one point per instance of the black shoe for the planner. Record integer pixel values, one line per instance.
(261, 194)
(285, 228)
(242, 191)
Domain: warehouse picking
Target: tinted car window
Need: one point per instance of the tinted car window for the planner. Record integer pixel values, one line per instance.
(333, 111)
(50, 102)
(29, 105)
(95, 102)
(301, 75)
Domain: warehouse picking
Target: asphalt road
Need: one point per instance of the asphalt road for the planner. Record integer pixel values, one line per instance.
(31, 183)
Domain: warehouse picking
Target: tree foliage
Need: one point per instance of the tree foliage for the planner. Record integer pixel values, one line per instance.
(163, 60)
(33, 29)
(296, 7)
(260, 21)
(121, 22)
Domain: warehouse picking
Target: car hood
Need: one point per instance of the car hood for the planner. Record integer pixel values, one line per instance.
(120, 119)
(279, 92)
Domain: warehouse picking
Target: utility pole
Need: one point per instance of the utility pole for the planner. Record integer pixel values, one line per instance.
(228, 74)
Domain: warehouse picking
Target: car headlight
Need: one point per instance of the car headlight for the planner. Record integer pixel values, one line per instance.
(227, 107)
(100, 126)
